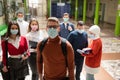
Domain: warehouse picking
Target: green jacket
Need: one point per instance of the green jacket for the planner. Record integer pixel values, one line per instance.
(3, 29)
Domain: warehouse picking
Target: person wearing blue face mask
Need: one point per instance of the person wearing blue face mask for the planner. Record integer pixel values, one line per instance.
(93, 58)
(17, 49)
(79, 40)
(22, 23)
(53, 61)
(66, 26)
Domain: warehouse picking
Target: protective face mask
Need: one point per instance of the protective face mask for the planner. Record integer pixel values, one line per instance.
(52, 32)
(80, 31)
(34, 28)
(91, 36)
(13, 31)
(20, 19)
(65, 19)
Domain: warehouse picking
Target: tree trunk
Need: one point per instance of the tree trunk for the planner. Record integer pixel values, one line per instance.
(6, 11)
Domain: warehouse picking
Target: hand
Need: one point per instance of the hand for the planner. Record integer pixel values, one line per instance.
(41, 77)
(70, 28)
(24, 57)
(5, 69)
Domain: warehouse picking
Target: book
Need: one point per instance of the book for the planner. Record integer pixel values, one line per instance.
(84, 51)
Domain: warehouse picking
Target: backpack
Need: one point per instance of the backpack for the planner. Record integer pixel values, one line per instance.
(63, 47)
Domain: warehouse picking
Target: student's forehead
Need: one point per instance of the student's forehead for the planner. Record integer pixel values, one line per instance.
(34, 22)
(14, 26)
(52, 22)
(20, 14)
(66, 16)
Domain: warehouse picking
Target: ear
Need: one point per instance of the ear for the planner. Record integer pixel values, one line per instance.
(46, 29)
(58, 29)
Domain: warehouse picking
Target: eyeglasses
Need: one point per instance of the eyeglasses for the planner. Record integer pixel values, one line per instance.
(52, 26)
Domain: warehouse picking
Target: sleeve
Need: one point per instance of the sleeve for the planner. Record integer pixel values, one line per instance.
(26, 46)
(73, 28)
(95, 46)
(39, 64)
(86, 40)
(60, 29)
(70, 59)
(3, 52)
(70, 38)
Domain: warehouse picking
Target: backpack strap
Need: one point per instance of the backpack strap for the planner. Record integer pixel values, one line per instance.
(64, 49)
(42, 45)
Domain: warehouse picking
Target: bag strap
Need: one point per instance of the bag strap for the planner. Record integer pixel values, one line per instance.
(64, 50)
(42, 45)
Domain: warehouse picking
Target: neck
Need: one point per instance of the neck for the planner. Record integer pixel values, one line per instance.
(65, 22)
(13, 37)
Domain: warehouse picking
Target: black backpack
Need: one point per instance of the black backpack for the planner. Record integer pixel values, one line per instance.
(63, 47)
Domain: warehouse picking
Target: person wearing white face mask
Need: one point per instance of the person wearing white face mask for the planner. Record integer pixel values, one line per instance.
(79, 40)
(53, 61)
(33, 36)
(22, 23)
(94, 32)
(93, 58)
(66, 26)
(17, 49)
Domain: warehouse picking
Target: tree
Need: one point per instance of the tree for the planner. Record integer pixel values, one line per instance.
(5, 11)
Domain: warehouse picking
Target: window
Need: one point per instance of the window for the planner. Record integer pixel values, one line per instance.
(90, 6)
(100, 6)
(1, 9)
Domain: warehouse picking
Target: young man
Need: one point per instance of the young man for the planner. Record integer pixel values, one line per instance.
(78, 39)
(22, 23)
(66, 27)
(52, 55)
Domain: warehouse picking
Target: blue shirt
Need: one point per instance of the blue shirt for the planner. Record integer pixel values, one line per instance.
(78, 40)
(64, 32)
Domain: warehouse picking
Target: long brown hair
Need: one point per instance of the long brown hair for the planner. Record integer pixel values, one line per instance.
(33, 19)
(9, 27)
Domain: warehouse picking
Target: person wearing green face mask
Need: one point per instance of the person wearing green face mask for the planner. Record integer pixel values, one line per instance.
(66, 26)
(52, 55)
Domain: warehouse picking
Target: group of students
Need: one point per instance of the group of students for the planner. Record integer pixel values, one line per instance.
(23, 46)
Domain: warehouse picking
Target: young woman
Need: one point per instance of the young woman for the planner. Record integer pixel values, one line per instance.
(17, 49)
(33, 36)
(93, 57)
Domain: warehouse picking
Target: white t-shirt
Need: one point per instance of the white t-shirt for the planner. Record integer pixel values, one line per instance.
(23, 27)
(35, 36)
